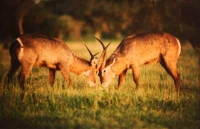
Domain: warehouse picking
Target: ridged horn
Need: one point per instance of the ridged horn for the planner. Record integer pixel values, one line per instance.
(91, 55)
(102, 60)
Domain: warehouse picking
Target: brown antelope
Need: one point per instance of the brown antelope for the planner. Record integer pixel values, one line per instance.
(141, 49)
(38, 50)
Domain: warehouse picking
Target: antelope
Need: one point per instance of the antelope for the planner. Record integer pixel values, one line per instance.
(34, 49)
(140, 49)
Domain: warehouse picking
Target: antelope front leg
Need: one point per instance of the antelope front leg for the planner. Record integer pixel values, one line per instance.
(65, 74)
(135, 71)
(52, 73)
(121, 78)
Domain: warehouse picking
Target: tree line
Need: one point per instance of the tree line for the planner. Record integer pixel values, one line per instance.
(76, 19)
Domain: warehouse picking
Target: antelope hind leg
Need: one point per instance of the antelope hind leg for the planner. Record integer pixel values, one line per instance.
(24, 74)
(13, 68)
(171, 69)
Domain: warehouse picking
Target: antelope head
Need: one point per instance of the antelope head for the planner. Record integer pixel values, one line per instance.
(90, 74)
(105, 73)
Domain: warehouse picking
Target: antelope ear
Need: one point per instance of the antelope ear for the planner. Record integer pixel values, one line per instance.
(94, 62)
(113, 61)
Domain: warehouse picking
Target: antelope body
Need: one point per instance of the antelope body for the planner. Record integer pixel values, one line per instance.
(38, 50)
(141, 49)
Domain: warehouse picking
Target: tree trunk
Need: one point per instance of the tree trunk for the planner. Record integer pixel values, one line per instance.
(60, 34)
(20, 24)
(98, 34)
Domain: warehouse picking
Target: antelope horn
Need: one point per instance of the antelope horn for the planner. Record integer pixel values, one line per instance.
(91, 55)
(102, 60)
(104, 47)
(104, 56)
(103, 63)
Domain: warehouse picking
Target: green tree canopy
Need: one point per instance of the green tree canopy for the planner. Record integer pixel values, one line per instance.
(110, 18)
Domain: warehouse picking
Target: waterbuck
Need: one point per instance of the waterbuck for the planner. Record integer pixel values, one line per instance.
(139, 49)
(38, 50)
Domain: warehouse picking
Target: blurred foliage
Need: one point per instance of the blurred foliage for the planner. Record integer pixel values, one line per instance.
(104, 18)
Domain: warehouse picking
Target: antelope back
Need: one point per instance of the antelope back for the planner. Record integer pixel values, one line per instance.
(42, 50)
(148, 47)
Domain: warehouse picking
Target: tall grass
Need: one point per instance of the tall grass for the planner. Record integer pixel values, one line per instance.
(154, 105)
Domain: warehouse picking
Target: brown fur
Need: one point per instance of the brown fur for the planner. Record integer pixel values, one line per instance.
(39, 50)
(141, 49)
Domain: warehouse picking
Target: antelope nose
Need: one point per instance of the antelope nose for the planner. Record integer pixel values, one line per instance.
(104, 84)
(92, 84)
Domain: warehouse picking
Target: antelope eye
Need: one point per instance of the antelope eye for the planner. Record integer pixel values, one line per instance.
(104, 71)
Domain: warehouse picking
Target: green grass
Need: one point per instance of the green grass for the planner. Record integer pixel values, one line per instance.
(154, 105)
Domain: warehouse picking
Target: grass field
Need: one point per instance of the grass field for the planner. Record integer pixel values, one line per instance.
(154, 105)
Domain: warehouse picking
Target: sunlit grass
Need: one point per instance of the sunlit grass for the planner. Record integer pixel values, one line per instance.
(154, 105)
